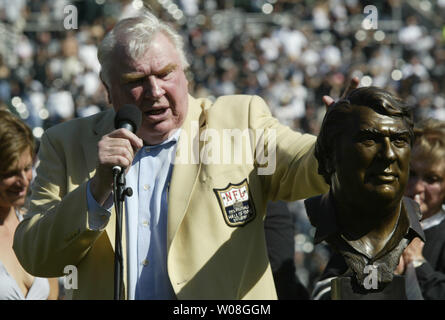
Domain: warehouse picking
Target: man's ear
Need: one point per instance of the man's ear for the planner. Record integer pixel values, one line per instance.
(330, 161)
(106, 88)
(329, 167)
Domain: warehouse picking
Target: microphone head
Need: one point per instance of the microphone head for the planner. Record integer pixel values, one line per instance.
(128, 116)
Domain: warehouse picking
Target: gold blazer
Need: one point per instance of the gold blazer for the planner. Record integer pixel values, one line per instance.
(216, 245)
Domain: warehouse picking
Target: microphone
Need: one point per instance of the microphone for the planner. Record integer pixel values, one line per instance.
(128, 117)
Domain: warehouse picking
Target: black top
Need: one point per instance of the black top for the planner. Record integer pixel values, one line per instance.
(279, 231)
(431, 275)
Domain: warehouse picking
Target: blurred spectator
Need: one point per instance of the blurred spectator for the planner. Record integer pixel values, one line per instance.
(16, 154)
(426, 186)
(411, 33)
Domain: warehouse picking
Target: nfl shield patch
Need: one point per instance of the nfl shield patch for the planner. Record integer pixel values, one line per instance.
(236, 204)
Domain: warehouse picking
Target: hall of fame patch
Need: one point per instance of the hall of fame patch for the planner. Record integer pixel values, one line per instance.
(236, 204)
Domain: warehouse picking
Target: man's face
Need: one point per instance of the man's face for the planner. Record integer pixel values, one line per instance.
(371, 159)
(156, 83)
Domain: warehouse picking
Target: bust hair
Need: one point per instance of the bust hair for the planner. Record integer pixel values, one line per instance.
(135, 35)
(338, 116)
(15, 138)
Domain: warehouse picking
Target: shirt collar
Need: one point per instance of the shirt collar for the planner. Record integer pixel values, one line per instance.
(433, 221)
(173, 138)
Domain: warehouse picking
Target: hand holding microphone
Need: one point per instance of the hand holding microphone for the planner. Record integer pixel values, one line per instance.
(128, 117)
(116, 150)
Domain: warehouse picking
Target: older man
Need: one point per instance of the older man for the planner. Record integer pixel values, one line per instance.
(193, 228)
(363, 151)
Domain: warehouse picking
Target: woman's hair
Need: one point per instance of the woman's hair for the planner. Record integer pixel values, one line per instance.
(338, 119)
(15, 138)
(429, 143)
(135, 34)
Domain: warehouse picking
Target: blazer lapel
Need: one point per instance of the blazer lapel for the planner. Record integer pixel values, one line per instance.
(104, 126)
(186, 166)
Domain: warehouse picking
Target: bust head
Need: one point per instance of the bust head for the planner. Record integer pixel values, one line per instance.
(363, 149)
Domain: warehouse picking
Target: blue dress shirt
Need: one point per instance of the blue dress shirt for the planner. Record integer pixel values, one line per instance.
(146, 220)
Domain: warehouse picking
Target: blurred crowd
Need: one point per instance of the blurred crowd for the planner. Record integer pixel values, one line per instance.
(291, 53)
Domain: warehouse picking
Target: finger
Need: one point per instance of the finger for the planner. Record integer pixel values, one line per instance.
(327, 100)
(117, 150)
(111, 150)
(107, 144)
(117, 160)
(352, 84)
(417, 241)
(355, 81)
(400, 267)
(134, 140)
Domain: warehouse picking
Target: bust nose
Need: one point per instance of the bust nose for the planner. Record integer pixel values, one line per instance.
(387, 151)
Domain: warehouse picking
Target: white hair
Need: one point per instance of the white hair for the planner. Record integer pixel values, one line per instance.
(135, 35)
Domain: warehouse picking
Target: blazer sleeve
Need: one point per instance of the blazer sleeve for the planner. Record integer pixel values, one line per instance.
(289, 167)
(55, 231)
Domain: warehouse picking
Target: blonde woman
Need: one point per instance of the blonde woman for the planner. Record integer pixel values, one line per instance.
(426, 186)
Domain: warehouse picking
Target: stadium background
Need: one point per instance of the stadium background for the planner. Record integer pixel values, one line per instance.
(291, 53)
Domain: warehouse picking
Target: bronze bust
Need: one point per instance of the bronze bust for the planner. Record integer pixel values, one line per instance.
(363, 151)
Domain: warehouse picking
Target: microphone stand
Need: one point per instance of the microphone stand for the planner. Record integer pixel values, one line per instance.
(119, 192)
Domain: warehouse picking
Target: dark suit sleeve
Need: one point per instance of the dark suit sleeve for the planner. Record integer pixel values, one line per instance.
(431, 282)
(279, 231)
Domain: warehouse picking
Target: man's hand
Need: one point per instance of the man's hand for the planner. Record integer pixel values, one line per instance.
(413, 251)
(400, 267)
(114, 149)
(353, 84)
